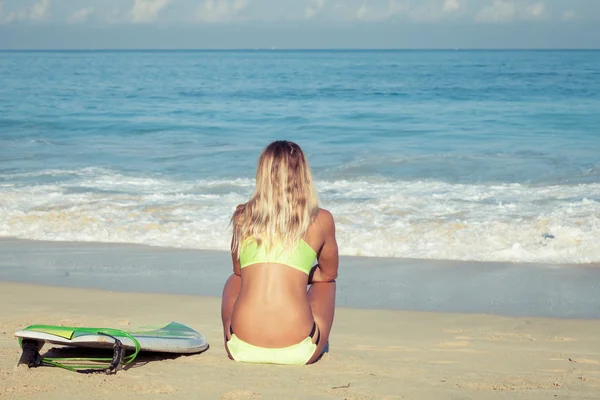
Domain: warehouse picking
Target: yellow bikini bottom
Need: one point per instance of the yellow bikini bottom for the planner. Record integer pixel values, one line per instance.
(297, 354)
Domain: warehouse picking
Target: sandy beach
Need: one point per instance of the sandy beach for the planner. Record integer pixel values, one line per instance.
(374, 353)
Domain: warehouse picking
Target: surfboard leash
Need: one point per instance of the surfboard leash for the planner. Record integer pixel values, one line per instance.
(32, 358)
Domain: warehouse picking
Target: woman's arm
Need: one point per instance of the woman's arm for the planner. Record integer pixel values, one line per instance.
(316, 276)
(328, 258)
(237, 270)
(239, 210)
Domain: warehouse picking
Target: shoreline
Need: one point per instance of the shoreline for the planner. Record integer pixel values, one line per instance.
(385, 259)
(511, 289)
(374, 354)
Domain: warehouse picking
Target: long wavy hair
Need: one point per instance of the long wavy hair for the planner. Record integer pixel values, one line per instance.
(284, 202)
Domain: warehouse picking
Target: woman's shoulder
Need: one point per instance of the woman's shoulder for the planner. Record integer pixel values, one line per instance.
(323, 213)
(323, 217)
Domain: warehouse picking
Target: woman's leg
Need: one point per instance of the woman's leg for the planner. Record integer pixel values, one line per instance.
(321, 297)
(230, 295)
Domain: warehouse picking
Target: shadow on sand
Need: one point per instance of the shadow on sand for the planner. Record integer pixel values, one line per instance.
(72, 356)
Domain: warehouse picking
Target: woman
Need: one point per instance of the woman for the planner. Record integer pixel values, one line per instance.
(268, 314)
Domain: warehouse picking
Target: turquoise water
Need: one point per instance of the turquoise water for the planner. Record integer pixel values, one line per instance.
(478, 155)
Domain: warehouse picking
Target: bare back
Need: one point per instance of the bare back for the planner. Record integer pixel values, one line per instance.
(272, 309)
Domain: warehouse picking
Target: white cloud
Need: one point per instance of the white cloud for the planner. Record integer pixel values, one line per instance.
(39, 10)
(395, 8)
(569, 14)
(9, 18)
(499, 10)
(116, 16)
(2, 19)
(509, 10)
(451, 5)
(373, 12)
(147, 10)
(435, 10)
(398, 11)
(80, 16)
(220, 10)
(426, 12)
(314, 8)
(239, 5)
(362, 11)
(538, 9)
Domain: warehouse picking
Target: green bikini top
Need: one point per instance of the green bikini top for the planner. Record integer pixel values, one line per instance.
(300, 257)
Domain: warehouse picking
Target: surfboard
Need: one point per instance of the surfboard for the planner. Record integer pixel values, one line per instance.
(172, 337)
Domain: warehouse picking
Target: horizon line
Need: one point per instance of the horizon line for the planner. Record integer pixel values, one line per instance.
(304, 49)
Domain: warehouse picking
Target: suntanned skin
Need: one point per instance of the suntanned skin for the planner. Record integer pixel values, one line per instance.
(268, 304)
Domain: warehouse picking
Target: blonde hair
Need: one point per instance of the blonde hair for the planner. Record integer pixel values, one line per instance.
(284, 202)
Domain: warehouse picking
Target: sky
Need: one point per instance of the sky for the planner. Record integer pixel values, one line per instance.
(210, 24)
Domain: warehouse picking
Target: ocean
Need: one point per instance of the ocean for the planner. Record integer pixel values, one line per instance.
(456, 155)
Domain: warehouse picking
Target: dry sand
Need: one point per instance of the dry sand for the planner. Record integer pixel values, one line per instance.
(374, 354)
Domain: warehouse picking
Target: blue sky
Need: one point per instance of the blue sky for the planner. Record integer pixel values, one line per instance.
(299, 23)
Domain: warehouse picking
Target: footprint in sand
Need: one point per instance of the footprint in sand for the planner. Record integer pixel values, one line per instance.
(584, 361)
(561, 339)
(504, 336)
(155, 388)
(453, 345)
(442, 362)
(509, 384)
(402, 348)
(365, 347)
(239, 395)
(463, 338)
(463, 350)
(592, 381)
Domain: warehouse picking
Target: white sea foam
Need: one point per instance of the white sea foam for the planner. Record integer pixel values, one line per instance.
(493, 222)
